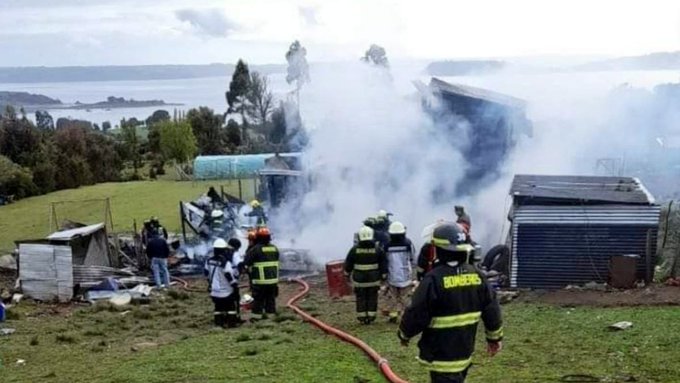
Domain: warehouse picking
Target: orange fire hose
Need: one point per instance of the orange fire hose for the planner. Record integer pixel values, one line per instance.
(383, 365)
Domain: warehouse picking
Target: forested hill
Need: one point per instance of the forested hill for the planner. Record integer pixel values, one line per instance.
(122, 73)
(24, 98)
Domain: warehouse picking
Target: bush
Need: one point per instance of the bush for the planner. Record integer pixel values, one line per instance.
(15, 180)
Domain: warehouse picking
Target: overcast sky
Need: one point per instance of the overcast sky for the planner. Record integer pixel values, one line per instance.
(95, 32)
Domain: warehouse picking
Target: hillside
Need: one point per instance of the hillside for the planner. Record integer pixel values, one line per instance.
(652, 61)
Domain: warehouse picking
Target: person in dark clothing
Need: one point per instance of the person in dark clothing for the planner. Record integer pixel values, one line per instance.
(147, 232)
(367, 266)
(223, 283)
(262, 262)
(426, 260)
(447, 307)
(157, 228)
(215, 198)
(258, 212)
(158, 251)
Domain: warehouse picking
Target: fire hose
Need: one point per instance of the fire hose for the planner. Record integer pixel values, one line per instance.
(383, 365)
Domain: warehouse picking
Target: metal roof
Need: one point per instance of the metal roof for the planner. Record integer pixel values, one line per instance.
(477, 93)
(78, 232)
(546, 190)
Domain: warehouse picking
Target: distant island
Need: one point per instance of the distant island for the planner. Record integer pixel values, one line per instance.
(32, 102)
(124, 72)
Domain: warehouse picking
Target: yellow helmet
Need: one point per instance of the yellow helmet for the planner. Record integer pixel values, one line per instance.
(254, 203)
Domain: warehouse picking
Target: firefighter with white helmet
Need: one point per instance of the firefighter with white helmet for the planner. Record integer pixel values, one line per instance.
(223, 282)
(366, 264)
(400, 256)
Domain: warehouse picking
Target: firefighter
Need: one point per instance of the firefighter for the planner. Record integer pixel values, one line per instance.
(446, 308)
(223, 283)
(426, 260)
(262, 262)
(400, 256)
(380, 235)
(258, 212)
(366, 264)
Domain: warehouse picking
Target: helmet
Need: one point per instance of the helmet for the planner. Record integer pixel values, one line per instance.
(382, 214)
(397, 228)
(448, 236)
(254, 203)
(365, 234)
(217, 213)
(263, 232)
(449, 241)
(234, 243)
(154, 220)
(220, 244)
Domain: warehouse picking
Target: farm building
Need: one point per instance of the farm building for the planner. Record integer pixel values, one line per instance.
(566, 229)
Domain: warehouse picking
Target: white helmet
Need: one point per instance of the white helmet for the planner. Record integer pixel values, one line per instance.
(220, 244)
(217, 214)
(382, 214)
(365, 234)
(397, 228)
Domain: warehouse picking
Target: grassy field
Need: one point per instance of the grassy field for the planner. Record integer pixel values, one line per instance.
(30, 218)
(543, 343)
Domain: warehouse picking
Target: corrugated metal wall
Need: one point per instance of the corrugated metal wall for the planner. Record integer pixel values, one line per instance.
(555, 246)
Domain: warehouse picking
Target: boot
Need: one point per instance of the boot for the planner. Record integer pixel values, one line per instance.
(218, 319)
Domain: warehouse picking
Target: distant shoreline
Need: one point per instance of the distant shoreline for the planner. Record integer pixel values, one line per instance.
(33, 102)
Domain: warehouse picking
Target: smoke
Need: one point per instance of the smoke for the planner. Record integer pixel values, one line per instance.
(371, 147)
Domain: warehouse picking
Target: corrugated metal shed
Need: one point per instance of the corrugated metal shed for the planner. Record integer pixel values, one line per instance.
(544, 190)
(565, 229)
(46, 272)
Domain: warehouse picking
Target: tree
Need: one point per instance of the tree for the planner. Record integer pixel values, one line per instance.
(15, 180)
(177, 140)
(238, 90)
(129, 137)
(278, 131)
(72, 167)
(106, 126)
(18, 138)
(157, 116)
(260, 99)
(63, 123)
(233, 134)
(376, 55)
(298, 69)
(43, 120)
(206, 126)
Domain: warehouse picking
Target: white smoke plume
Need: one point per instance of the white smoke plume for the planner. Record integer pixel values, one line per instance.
(373, 147)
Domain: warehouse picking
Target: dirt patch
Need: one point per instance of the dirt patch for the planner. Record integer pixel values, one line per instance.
(657, 295)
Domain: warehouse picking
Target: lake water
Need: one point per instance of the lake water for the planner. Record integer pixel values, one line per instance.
(536, 88)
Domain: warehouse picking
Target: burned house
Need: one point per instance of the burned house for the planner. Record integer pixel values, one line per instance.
(565, 229)
(484, 126)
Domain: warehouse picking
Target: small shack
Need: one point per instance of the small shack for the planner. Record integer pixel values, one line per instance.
(50, 268)
(565, 229)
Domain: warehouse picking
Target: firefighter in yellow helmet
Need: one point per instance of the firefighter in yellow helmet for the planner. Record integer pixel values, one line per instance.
(258, 212)
(367, 266)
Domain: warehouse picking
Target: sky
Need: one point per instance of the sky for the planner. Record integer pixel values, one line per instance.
(126, 32)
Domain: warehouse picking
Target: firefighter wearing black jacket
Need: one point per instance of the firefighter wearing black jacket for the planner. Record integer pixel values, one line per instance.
(262, 262)
(446, 308)
(366, 263)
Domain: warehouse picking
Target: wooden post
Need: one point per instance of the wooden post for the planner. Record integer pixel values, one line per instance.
(240, 190)
(183, 218)
(648, 258)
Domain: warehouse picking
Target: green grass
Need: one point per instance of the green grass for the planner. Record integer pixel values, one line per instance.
(30, 218)
(542, 344)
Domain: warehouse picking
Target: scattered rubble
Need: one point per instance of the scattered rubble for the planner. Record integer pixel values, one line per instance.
(621, 325)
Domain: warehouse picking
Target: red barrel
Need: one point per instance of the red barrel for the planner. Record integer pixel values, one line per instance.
(337, 283)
